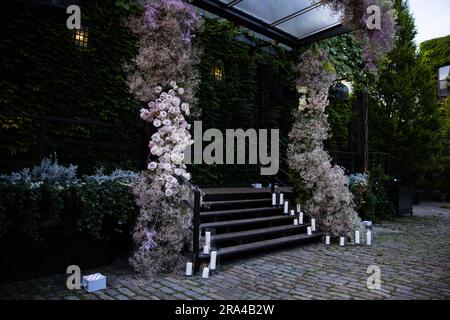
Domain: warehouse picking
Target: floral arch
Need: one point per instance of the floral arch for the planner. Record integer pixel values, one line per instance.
(163, 76)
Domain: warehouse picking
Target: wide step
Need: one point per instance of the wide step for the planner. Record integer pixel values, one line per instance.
(258, 232)
(209, 204)
(266, 244)
(240, 211)
(234, 223)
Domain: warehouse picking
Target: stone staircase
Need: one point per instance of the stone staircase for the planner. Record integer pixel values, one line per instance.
(243, 221)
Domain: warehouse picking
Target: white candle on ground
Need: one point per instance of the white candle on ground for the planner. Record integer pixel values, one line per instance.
(369, 238)
(309, 231)
(274, 199)
(292, 212)
(281, 199)
(286, 207)
(327, 239)
(299, 208)
(205, 249)
(208, 238)
(300, 218)
(189, 269)
(212, 263)
(342, 241)
(313, 225)
(205, 274)
(295, 222)
(357, 240)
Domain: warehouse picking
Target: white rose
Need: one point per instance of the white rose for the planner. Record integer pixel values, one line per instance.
(152, 166)
(180, 91)
(158, 89)
(172, 83)
(156, 151)
(168, 193)
(157, 123)
(176, 101)
(162, 115)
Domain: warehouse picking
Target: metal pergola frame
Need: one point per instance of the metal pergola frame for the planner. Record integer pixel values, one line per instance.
(229, 12)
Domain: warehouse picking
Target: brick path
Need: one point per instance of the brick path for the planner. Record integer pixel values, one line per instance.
(412, 252)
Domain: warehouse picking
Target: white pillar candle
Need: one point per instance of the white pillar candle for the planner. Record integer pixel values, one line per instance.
(300, 218)
(281, 199)
(327, 240)
(212, 263)
(292, 212)
(205, 273)
(309, 231)
(295, 222)
(286, 207)
(189, 269)
(313, 225)
(205, 249)
(208, 238)
(274, 199)
(369, 238)
(342, 241)
(299, 208)
(357, 239)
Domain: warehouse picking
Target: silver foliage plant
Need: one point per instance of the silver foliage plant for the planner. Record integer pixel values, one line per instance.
(331, 201)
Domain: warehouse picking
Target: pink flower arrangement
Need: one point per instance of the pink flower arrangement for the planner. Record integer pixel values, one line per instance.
(167, 55)
(331, 202)
(377, 42)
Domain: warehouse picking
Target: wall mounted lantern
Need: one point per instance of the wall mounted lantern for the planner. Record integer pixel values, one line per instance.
(217, 71)
(81, 37)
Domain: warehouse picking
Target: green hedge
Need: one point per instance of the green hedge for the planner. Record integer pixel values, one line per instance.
(100, 209)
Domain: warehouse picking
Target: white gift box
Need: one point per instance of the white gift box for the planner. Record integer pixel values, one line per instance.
(94, 282)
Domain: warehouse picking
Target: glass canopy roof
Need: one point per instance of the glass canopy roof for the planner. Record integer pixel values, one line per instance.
(291, 22)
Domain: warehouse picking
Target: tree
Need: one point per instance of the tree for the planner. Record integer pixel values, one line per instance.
(404, 117)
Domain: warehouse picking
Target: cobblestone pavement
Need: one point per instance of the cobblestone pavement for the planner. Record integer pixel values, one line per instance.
(412, 253)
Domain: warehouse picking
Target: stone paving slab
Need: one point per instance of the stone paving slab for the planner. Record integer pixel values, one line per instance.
(413, 254)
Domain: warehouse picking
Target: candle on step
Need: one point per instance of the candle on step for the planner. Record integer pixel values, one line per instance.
(205, 273)
(309, 231)
(295, 222)
(357, 239)
(292, 212)
(188, 269)
(299, 208)
(208, 238)
(313, 225)
(274, 199)
(205, 249)
(300, 218)
(281, 199)
(369, 238)
(327, 240)
(342, 241)
(212, 263)
(286, 207)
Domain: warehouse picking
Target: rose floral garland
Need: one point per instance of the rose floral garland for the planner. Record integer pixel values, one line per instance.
(376, 42)
(331, 201)
(167, 55)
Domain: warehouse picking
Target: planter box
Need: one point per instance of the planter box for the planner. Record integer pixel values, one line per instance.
(402, 197)
(27, 259)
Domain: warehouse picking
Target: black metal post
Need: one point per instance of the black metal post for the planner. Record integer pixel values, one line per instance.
(196, 238)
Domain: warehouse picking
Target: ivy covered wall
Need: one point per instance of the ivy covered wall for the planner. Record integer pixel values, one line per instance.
(43, 73)
(255, 91)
